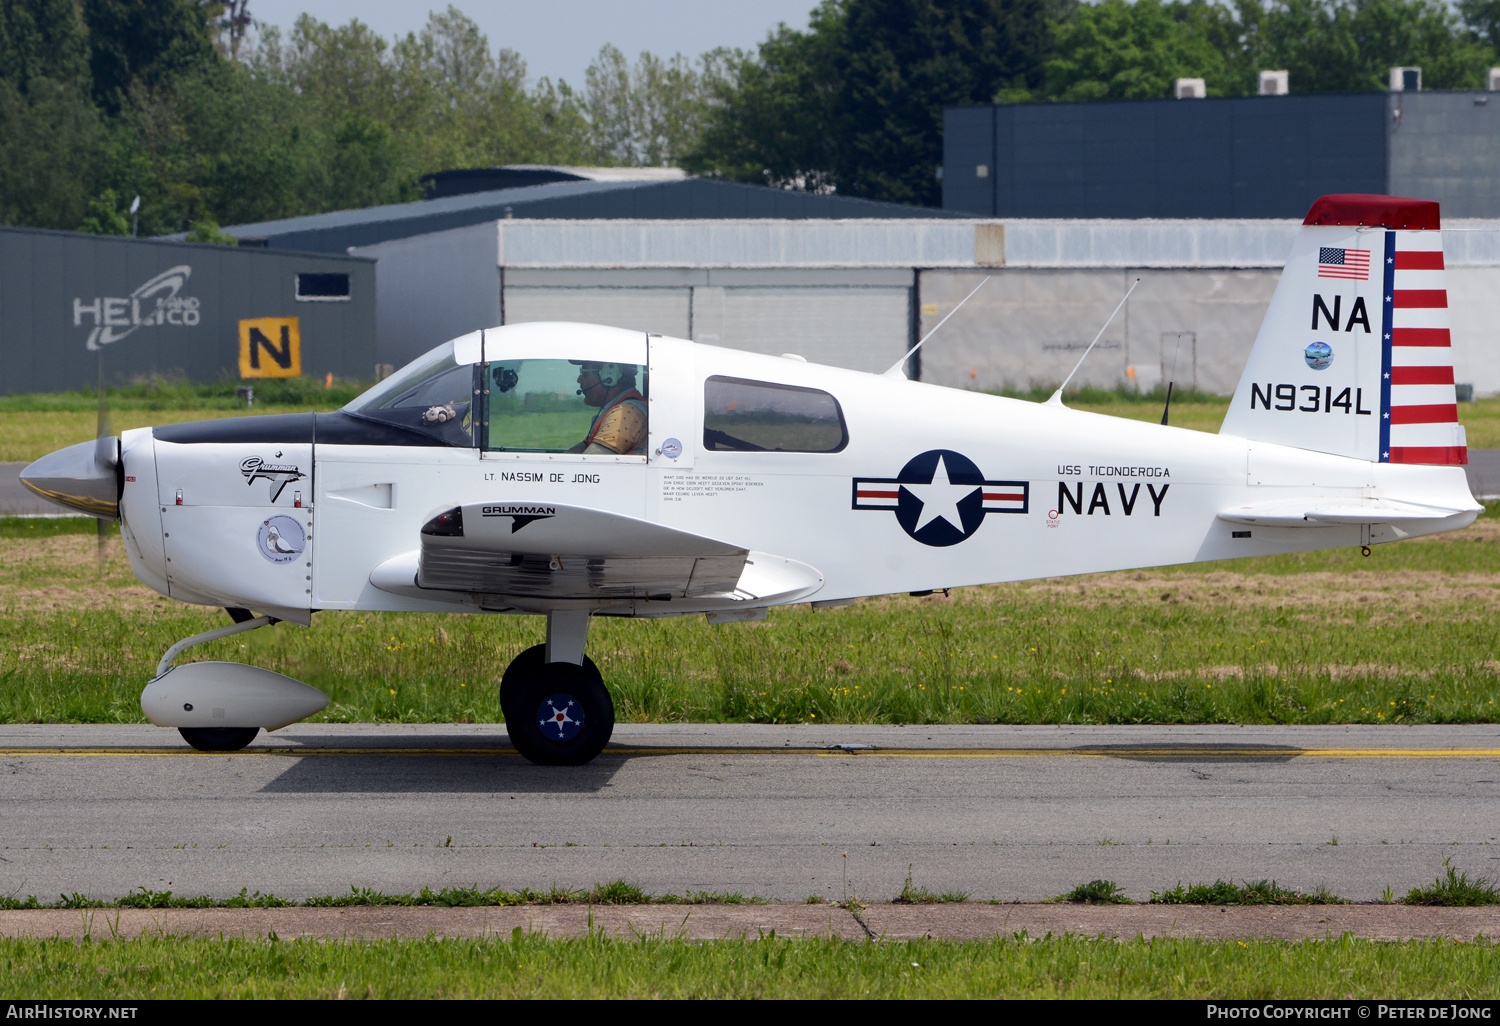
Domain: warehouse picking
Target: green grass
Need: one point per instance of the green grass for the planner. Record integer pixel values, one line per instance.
(1095, 892)
(911, 894)
(51, 527)
(172, 394)
(1405, 636)
(1454, 888)
(1198, 411)
(761, 967)
(618, 892)
(1260, 892)
(33, 425)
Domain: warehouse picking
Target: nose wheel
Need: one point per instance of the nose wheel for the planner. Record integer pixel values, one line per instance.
(557, 714)
(218, 739)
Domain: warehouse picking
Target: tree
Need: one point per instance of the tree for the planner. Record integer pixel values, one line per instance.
(770, 117)
(106, 216)
(855, 103)
(464, 105)
(143, 44)
(1120, 50)
(650, 114)
(229, 18)
(43, 39)
(1351, 45)
(1482, 18)
(903, 62)
(1134, 50)
(46, 118)
(49, 163)
(207, 230)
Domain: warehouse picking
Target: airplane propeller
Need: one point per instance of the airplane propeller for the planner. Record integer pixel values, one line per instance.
(106, 454)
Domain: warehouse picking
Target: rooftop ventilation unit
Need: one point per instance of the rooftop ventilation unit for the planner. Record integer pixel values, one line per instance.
(1492, 80)
(1406, 80)
(1273, 83)
(1189, 89)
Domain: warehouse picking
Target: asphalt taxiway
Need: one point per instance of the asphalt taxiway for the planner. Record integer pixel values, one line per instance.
(1010, 813)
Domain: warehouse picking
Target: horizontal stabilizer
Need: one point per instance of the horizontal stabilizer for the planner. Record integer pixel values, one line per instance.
(1325, 512)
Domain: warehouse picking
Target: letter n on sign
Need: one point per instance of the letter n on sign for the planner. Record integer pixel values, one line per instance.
(270, 347)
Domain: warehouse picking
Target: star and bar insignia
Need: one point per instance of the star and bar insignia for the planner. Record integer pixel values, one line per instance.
(940, 497)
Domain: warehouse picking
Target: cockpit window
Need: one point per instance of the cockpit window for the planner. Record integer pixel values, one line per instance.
(760, 416)
(433, 395)
(576, 406)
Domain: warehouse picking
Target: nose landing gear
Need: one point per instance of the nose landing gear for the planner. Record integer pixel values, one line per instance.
(222, 707)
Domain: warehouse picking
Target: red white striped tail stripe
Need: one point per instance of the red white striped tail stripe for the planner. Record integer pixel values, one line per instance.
(1423, 412)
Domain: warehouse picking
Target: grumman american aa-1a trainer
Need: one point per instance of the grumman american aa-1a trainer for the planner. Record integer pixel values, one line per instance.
(573, 471)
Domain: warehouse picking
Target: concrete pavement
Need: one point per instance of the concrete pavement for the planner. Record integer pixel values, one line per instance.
(1010, 813)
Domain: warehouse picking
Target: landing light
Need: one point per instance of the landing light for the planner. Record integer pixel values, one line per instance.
(446, 525)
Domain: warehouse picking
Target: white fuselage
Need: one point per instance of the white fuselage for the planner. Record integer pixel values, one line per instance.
(1066, 492)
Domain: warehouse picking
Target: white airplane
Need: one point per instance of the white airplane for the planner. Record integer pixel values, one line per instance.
(574, 471)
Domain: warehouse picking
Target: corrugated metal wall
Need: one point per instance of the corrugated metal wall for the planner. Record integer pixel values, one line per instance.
(1446, 147)
(1253, 156)
(1028, 327)
(858, 319)
(58, 288)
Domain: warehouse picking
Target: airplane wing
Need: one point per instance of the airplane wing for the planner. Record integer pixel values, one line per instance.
(553, 552)
(1328, 512)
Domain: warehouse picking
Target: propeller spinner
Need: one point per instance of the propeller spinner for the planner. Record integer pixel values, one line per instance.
(86, 477)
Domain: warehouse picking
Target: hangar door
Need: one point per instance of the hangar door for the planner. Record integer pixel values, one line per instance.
(856, 319)
(860, 328)
(659, 310)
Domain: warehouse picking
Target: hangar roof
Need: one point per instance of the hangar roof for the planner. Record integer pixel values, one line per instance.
(686, 198)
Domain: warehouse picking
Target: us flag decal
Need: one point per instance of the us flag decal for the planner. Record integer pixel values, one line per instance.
(1334, 262)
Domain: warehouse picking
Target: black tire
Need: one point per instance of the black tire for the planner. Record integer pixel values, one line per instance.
(584, 715)
(525, 667)
(218, 739)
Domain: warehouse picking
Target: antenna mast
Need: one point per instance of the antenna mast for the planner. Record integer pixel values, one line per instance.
(1056, 399)
(896, 370)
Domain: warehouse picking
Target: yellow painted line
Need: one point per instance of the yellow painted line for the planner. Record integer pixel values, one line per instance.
(90, 752)
(1147, 753)
(1180, 753)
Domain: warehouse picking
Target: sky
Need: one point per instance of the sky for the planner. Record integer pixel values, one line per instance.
(558, 38)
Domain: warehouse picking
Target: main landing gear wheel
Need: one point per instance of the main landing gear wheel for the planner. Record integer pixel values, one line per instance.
(559, 714)
(218, 739)
(525, 667)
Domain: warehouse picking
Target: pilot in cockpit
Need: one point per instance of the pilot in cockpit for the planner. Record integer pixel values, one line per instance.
(620, 426)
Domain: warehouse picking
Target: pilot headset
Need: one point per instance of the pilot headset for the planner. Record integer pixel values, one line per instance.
(609, 374)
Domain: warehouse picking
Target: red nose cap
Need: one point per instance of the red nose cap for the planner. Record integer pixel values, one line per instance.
(1362, 210)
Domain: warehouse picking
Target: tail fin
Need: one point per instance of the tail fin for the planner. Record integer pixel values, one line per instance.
(1354, 356)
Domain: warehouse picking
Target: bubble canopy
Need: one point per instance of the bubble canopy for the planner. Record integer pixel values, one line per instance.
(531, 340)
(434, 394)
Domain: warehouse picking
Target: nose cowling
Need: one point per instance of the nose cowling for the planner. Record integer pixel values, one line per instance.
(86, 477)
